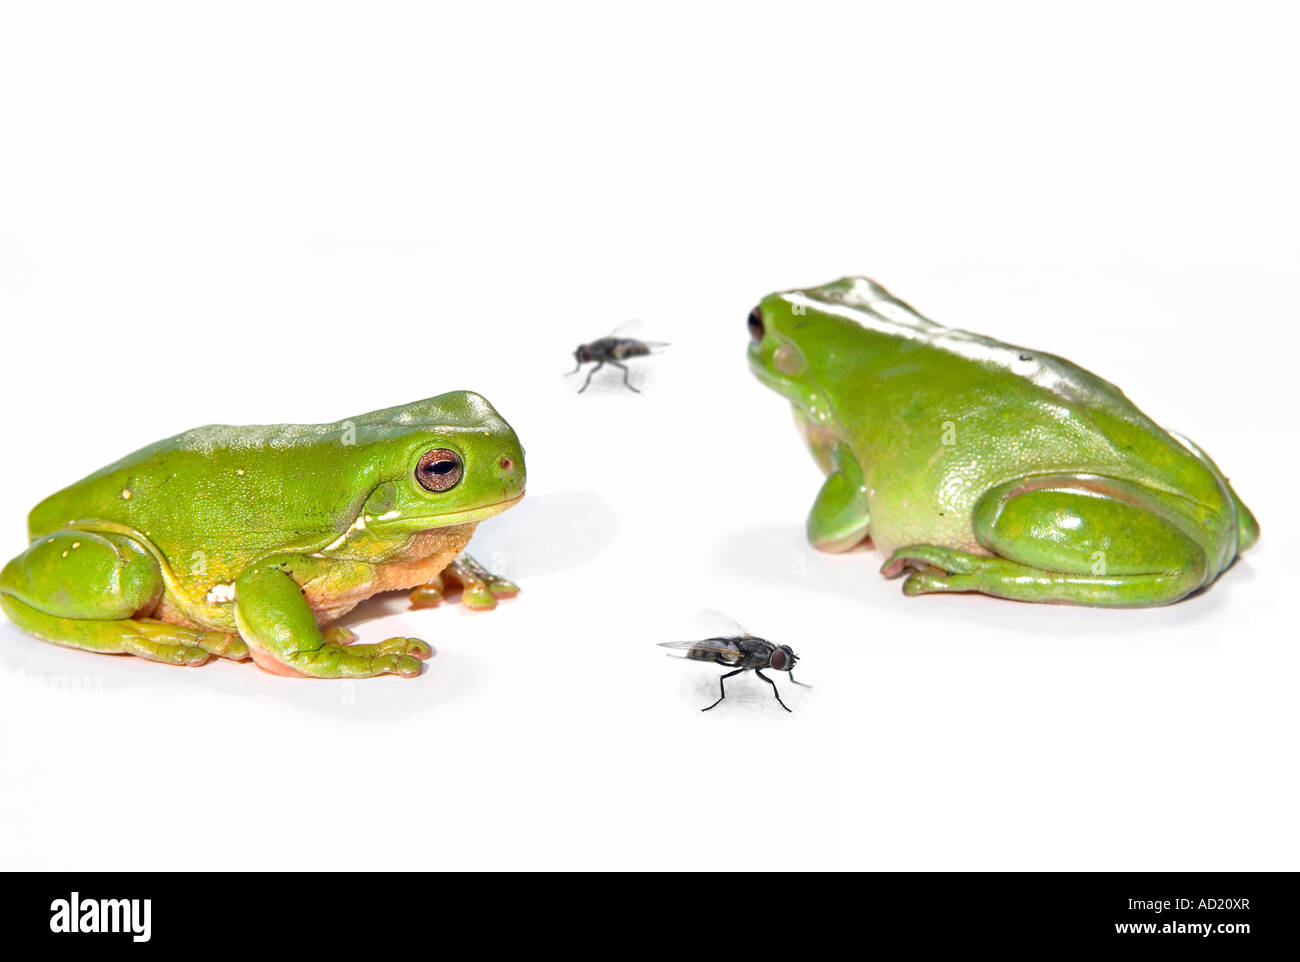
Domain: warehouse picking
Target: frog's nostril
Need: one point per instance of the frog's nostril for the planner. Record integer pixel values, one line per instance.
(506, 464)
(756, 323)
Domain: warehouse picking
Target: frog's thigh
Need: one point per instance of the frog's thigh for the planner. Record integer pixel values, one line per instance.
(1086, 527)
(838, 519)
(82, 590)
(1091, 541)
(77, 574)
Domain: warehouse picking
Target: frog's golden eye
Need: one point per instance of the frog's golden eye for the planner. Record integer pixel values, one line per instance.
(439, 470)
(756, 323)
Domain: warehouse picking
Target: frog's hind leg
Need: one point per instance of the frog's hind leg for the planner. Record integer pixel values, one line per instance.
(83, 590)
(1071, 540)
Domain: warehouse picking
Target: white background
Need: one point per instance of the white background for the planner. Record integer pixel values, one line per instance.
(266, 212)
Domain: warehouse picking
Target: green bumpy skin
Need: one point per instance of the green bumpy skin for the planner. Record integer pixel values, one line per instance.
(980, 466)
(241, 542)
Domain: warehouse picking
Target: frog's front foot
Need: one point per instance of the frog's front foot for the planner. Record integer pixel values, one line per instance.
(346, 638)
(480, 589)
(340, 657)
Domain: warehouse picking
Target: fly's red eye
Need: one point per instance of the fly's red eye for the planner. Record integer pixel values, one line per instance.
(439, 470)
(779, 660)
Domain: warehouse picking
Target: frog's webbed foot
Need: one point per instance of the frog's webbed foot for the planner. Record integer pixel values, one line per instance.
(393, 656)
(341, 655)
(932, 568)
(174, 645)
(480, 589)
(224, 645)
(346, 638)
(143, 637)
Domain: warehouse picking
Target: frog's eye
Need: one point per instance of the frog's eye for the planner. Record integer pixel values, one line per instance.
(756, 323)
(439, 470)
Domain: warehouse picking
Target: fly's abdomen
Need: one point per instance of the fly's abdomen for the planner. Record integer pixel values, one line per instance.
(628, 348)
(716, 657)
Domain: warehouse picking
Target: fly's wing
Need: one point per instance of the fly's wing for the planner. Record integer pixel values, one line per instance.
(632, 330)
(724, 647)
(716, 623)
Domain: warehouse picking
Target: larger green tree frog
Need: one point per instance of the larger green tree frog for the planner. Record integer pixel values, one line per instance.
(980, 466)
(247, 541)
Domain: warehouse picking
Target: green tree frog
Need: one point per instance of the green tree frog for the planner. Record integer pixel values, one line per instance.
(241, 542)
(981, 466)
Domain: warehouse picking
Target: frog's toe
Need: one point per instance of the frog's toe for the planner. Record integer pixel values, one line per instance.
(407, 666)
(426, 596)
(415, 648)
(189, 655)
(929, 582)
(501, 588)
(338, 635)
(926, 557)
(345, 637)
(224, 645)
(480, 589)
(483, 595)
(479, 597)
(404, 665)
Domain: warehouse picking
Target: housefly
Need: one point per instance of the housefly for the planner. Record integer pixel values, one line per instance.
(613, 349)
(734, 647)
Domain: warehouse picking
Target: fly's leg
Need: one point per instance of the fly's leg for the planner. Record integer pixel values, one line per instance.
(599, 365)
(723, 687)
(574, 371)
(799, 683)
(625, 373)
(775, 690)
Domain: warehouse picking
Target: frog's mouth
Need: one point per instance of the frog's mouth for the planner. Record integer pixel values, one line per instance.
(811, 403)
(778, 383)
(447, 520)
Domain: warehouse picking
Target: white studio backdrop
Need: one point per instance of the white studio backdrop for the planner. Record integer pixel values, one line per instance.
(278, 212)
